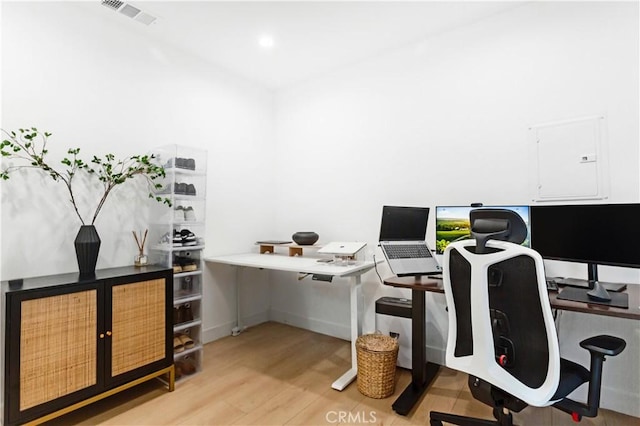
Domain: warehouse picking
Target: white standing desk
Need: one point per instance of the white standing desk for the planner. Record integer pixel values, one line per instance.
(310, 265)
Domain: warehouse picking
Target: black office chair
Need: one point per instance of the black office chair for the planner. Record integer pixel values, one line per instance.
(501, 328)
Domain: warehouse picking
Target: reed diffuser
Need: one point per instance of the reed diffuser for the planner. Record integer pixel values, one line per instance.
(140, 259)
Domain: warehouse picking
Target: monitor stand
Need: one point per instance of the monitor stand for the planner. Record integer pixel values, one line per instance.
(618, 300)
(579, 283)
(599, 292)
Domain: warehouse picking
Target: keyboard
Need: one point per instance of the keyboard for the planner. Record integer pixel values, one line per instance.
(408, 251)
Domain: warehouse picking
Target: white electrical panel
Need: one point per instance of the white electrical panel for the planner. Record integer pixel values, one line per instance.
(569, 160)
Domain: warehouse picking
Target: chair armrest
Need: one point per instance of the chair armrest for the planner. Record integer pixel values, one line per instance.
(603, 344)
(598, 347)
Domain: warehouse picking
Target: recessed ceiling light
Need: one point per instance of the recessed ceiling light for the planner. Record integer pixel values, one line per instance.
(266, 41)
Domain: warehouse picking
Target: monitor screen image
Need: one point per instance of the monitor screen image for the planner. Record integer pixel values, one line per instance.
(452, 223)
(605, 234)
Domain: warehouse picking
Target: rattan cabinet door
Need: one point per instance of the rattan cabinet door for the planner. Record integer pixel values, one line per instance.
(58, 346)
(138, 326)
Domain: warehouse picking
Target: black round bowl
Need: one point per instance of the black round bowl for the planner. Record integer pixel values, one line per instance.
(305, 238)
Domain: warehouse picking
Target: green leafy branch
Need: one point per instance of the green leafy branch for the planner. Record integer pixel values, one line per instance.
(112, 173)
(30, 146)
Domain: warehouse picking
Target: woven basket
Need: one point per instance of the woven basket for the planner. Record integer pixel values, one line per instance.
(377, 357)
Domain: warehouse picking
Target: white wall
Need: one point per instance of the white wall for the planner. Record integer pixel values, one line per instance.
(444, 122)
(84, 74)
(438, 122)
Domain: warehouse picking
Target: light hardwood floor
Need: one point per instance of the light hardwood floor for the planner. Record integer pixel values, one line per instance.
(275, 374)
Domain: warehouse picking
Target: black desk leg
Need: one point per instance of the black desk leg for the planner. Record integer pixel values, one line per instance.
(422, 373)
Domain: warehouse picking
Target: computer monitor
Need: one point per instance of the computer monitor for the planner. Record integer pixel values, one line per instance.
(452, 223)
(594, 234)
(600, 234)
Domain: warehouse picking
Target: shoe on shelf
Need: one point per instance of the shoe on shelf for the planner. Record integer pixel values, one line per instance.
(182, 313)
(188, 238)
(187, 312)
(177, 268)
(180, 189)
(187, 264)
(189, 214)
(177, 238)
(165, 240)
(190, 267)
(178, 345)
(181, 163)
(178, 315)
(190, 189)
(178, 214)
(186, 365)
(187, 283)
(189, 163)
(186, 341)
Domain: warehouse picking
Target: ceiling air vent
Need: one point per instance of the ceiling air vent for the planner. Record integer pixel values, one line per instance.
(130, 11)
(145, 18)
(112, 4)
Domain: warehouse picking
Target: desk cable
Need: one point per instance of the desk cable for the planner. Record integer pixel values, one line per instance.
(375, 266)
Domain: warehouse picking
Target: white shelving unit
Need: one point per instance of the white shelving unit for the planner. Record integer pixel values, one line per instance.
(176, 237)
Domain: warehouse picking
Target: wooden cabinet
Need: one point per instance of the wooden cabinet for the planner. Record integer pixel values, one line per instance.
(69, 342)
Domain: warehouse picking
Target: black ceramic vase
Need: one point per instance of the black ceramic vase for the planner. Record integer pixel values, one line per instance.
(87, 244)
(305, 238)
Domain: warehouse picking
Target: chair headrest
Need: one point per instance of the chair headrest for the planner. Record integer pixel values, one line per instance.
(496, 224)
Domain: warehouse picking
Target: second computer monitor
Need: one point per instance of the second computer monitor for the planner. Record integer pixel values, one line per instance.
(453, 224)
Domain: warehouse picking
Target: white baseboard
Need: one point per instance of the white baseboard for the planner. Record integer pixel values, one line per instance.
(341, 331)
(319, 326)
(217, 332)
(436, 355)
(620, 400)
(223, 330)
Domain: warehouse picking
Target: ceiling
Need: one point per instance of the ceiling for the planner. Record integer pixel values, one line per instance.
(309, 37)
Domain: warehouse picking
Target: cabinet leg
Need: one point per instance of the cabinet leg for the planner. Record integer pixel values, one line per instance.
(158, 374)
(172, 378)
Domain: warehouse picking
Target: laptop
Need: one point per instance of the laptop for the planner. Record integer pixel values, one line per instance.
(402, 239)
(342, 248)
